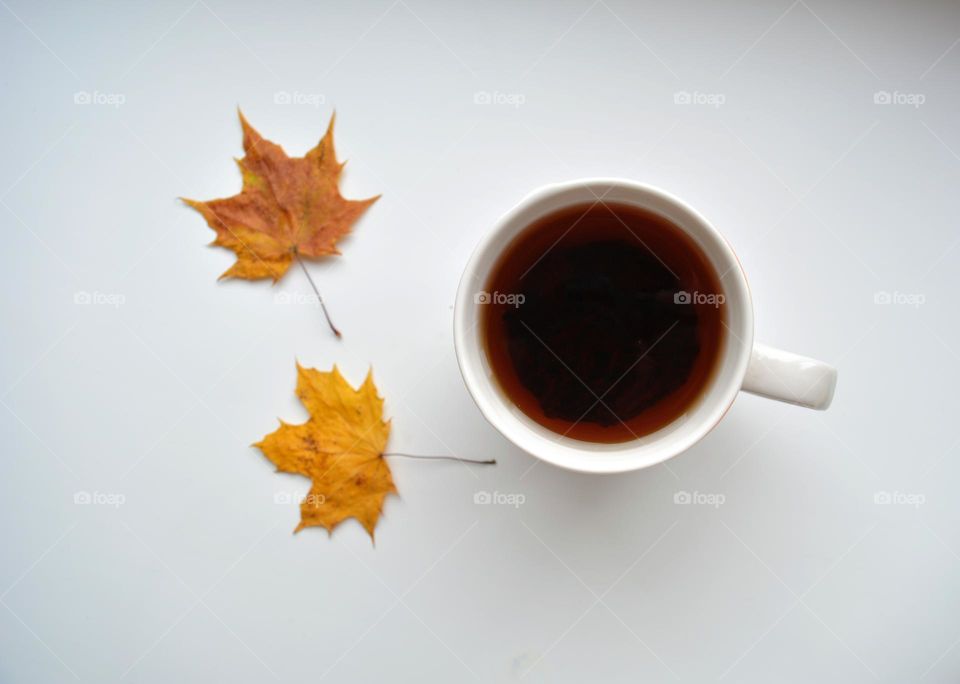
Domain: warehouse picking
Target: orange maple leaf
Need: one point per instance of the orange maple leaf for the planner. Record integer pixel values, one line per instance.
(288, 206)
(340, 448)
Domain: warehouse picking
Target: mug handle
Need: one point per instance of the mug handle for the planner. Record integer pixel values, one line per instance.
(795, 379)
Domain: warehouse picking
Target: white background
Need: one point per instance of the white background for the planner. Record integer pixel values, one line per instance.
(156, 388)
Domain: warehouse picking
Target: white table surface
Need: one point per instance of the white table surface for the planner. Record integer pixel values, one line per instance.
(154, 390)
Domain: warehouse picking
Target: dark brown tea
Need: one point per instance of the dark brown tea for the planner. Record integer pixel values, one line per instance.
(603, 322)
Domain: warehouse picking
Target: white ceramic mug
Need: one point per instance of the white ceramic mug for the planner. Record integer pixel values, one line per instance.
(743, 365)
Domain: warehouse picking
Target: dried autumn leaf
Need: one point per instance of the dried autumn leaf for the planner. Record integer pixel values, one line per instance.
(288, 206)
(340, 448)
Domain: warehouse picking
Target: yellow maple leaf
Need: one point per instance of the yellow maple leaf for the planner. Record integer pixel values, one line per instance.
(340, 448)
(288, 206)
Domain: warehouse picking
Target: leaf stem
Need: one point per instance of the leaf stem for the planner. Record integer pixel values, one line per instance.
(446, 458)
(317, 292)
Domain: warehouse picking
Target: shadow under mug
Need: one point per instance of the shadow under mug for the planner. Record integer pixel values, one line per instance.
(743, 365)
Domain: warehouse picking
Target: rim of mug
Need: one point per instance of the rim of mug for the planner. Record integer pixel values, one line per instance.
(565, 452)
